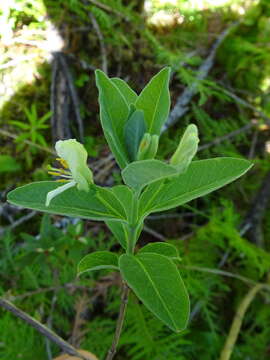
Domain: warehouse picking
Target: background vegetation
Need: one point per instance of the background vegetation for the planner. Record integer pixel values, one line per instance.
(219, 53)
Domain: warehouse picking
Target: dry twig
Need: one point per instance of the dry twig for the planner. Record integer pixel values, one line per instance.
(39, 147)
(73, 93)
(18, 222)
(41, 328)
(252, 223)
(227, 274)
(108, 9)
(181, 106)
(101, 42)
(120, 322)
(237, 322)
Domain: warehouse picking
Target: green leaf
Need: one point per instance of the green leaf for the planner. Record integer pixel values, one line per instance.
(114, 112)
(126, 197)
(21, 138)
(134, 131)
(19, 124)
(156, 281)
(161, 248)
(129, 95)
(154, 100)
(96, 204)
(8, 164)
(141, 173)
(120, 230)
(97, 261)
(201, 178)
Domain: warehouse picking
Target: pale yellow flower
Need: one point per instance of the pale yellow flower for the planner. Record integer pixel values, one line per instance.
(73, 158)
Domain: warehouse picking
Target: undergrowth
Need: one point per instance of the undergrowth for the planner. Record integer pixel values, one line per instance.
(32, 253)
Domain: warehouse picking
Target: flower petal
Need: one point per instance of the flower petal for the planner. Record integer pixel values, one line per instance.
(52, 194)
(76, 157)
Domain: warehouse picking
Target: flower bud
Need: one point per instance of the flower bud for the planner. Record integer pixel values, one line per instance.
(186, 149)
(148, 147)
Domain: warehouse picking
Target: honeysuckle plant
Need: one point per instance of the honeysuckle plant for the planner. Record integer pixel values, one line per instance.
(132, 126)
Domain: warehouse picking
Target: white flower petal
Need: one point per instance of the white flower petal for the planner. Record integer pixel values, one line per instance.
(75, 155)
(52, 194)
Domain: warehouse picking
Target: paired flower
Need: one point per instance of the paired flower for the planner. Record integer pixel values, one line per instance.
(75, 172)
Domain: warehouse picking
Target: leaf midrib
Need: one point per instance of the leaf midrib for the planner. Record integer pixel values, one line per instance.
(154, 114)
(66, 208)
(158, 294)
(199, 188)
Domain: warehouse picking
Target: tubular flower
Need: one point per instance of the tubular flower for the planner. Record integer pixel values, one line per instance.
(75, 172)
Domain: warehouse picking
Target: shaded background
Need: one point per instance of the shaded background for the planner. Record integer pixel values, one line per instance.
(220, 59)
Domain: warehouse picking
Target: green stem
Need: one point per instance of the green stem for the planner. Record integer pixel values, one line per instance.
(132, 239)
(133, 225)
(133, 228)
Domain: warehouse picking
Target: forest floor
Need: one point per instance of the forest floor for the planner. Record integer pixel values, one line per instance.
(219, 52)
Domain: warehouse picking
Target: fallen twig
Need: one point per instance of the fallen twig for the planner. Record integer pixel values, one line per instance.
(42, 329)
(68, 286)
(154, 233)
(101, 42)
(108, 9)
(18, 222)
(244, 128)
(181, 106)
(58, 104)
(228, 136)
(227, 274)
(73, 93)
(252, 223)
(28, 142)
(237, 322)
(49, 325)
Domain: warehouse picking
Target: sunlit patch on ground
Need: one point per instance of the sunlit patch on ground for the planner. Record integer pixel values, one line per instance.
(168, 13)
(24, 48)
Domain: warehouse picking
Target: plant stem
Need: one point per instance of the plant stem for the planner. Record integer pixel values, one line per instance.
(125, 289)
(44, 330)
(120, 322)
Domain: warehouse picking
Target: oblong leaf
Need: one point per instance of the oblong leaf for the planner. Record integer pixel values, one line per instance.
(201, 178)
(98, 260)
(154, 100)
(161, 248)
(96, 204)
(156, 281)
(123, 232)
(114, 112)
(138, 174)
(129, 95)
(127, 199)
(120, 230)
